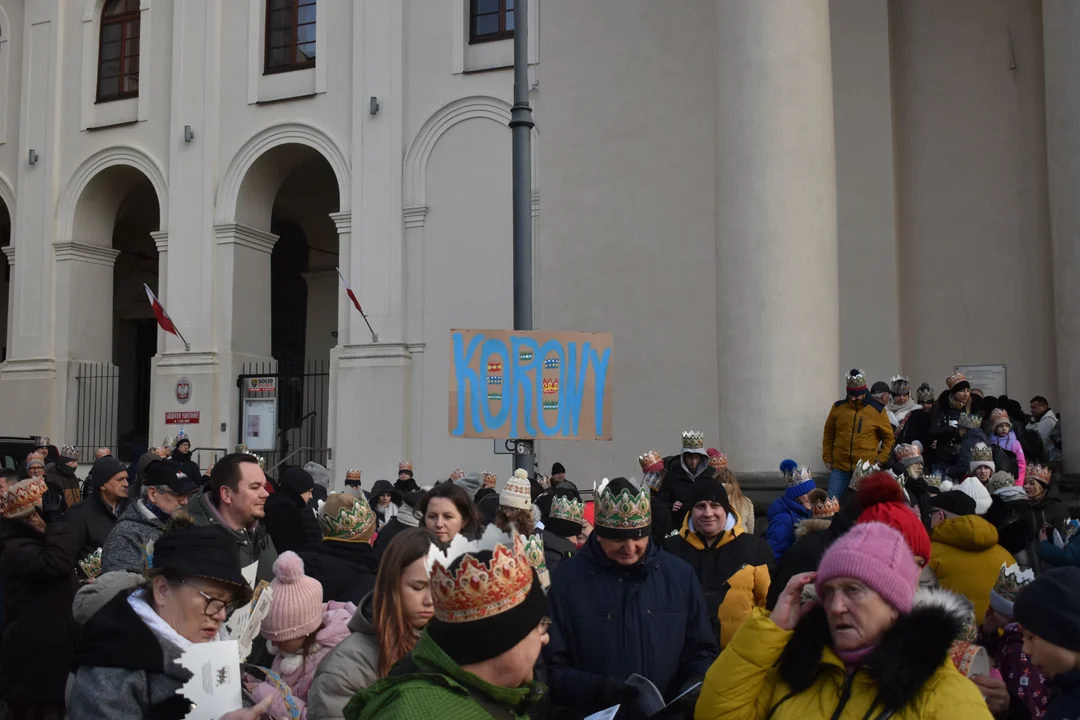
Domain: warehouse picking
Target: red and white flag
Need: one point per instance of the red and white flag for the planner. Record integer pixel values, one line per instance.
(163, 318)
(349, 292)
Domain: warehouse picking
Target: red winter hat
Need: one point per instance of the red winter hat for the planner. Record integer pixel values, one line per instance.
(882, 500)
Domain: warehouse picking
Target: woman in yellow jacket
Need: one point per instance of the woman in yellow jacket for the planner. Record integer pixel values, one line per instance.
(867, 649)
(732, 565)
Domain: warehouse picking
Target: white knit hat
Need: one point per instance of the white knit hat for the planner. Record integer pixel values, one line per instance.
(975, 490)
(518, 492)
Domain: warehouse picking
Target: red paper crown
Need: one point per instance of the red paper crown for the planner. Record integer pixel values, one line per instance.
(651, 462)
(479, 589)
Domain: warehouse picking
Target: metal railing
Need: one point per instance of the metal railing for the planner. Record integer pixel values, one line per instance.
(96, 387)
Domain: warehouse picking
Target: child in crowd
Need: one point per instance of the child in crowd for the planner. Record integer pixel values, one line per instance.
(1004, 437)
(1048, 611)
(789, 509)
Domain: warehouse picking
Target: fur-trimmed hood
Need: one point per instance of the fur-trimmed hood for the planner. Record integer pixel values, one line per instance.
(909, 654)
(810, 525)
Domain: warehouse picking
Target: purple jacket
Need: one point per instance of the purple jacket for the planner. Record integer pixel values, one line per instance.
(1010, 443)
(1026, 685)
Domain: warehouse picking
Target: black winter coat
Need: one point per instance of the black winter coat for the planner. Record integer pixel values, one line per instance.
(917, 427)
(961, 467)
(38, 575)
(190, 468)
(609, 622)
(556, 549)
(1065, 697)
(389, 531)
(1051, 510)
(806, 553)
(91, 522)
(345, 569)
(677, 487)
(944, 432)
(291, 525)
(1015, 523)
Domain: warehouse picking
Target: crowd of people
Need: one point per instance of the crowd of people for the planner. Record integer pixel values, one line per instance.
(935, 576)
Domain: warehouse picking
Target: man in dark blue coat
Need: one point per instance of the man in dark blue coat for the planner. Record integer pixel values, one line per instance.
(622, 606)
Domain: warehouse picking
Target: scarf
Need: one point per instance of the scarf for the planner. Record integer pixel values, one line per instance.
(852, 658)
(157, 625)
(902, 410)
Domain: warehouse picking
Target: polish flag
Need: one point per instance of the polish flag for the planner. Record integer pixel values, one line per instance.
(163, 318)
(349, 292)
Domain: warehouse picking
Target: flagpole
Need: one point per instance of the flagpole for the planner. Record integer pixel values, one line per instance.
(356, 304)
(187, 347)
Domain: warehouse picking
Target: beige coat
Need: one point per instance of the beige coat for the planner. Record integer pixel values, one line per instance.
(351, 666)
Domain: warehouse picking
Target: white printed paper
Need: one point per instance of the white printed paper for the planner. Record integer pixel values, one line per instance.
(244, 624)
(250, 572)
(608, 714)
(215, 687)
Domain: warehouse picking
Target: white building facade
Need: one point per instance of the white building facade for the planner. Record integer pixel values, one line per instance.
(752, 197)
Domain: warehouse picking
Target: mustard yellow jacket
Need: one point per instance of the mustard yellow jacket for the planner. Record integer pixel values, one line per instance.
(744, 684)
(966, 558)
(854, 432)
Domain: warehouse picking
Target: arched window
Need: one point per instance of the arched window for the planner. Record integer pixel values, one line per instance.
(290, 35)
(118, 51)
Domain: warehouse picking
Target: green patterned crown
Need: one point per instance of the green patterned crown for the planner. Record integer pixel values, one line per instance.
(693, 440)
(970, 421)
(1011, 580)
(565, 507)
(346, 517)
(623, 511)
(91, 564)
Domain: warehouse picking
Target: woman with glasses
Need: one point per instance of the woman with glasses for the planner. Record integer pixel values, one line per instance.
(126, 655)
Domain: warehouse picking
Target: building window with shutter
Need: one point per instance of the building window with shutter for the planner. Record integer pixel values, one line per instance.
(490, 20)
(290, 35)
(118, 51)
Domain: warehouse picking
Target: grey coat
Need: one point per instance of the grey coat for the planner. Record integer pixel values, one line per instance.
(253, 544)
(125, 548)
(351, 666)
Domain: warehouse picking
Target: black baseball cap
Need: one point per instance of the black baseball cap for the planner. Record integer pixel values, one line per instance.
(168, 474)
(954, 501)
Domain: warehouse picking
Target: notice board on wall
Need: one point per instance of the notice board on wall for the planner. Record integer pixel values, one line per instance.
(515, 384)
(991, 379)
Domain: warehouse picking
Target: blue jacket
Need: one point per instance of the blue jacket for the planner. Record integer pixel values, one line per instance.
(962, 468)
(784, 514)
(609, 622)
(1059, 557)
(1064, 697)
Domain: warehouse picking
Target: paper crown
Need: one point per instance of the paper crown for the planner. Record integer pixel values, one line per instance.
(717, 459)
(970, 421)
(569, 508)
(925, 393)
(651, 462)
(489, 479)
(955, 378)
(534, 553)
(22, 497)
(625, 511)
(41, 441)
(826, 508)
(1039, 472)
(1011, 580)
(855, 380)
(900, 385)
(693, 440)
(862, 469)
(933, 479)
(653, 480)
(70, 451)
(91, 564)
(982, 453)
(798, 476)
(352, 521)
(999, 416)
(999, 481)
(242, 448)
(404, 466)
(475, 589)
(457, 474)
(168, 442)
(102, 452)
(181, 437)
(907, 454)
(352, 474)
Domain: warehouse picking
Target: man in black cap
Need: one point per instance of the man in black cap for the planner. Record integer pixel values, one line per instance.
(289, 520)
(93, 519)
(167, 489)
(182, 454)
(1048, 611)
(558, 474)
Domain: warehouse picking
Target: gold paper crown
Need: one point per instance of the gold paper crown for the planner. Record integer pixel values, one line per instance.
(625, 511)
(1011, 580)
(718, 461)
(933, 479)
(906, 452)
(826, 508)
(489, 479)
(956, 377)
(478, 589)
(999, 416)
(1039, 472)
(856, 380)
(352, 474)
(457, 474)
(22, 497)
(351, 522)
(91, 564)
(982, 453)
(693, 440)
(569, 508)
(650, 460)
(404, 465)
(861, 470)
(970, 420)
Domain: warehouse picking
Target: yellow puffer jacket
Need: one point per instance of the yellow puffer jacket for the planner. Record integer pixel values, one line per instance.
(745, 684)
(966, 558)
(734, 573)
(856, 432)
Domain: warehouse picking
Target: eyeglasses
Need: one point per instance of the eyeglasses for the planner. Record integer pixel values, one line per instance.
(214, 605)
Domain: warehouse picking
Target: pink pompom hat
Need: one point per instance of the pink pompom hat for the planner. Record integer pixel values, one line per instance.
(296, 606)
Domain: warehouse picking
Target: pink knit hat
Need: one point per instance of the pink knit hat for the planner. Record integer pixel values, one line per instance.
(296, 606)
(877, 555)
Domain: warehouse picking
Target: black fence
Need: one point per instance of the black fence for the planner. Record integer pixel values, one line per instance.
(96, 388)
(284, 411)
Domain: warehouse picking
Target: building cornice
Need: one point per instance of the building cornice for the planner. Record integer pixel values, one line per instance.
(244, 236)
(82, 252)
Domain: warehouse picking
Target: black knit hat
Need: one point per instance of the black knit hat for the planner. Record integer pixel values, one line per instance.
(1049, 607)
(879, 387)
(297, 479)
(205, 552)
(710, 489)
(104, 470)
(954, 501)
(558, 468)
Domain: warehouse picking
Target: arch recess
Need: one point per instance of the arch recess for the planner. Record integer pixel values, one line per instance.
(110, 157)
(449, 115)
(7, 194)
(267, 139)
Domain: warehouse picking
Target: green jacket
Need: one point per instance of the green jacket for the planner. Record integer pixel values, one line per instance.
(440, 690)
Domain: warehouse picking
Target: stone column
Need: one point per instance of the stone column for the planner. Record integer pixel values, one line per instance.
(1061, 23)
(777, 283)
(84, 301)
(9, 251)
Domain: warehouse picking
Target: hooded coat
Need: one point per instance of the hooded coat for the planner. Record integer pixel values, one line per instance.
(189, 466)
(125, 669)
(678, 486)
(961, 468)
(1051, 510)
(854, 432)
(609, 621)
(253, 544)
(404, 520)
(345, 569)
(1010, 512)
(384, 516)
(1010, 443)
(784, 514)
(733, 571)
(767, 672)
(38, 575)
(291, 523)
(966, 558)
(125, 548)
(347, 669)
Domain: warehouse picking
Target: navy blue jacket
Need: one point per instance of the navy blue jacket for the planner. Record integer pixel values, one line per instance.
(962, 468)
(609, 622)
(1064, 697)
(784, 514)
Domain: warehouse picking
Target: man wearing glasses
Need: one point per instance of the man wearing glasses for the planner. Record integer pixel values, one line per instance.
(167, 489)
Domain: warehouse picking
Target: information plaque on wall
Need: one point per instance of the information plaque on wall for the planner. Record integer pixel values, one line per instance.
(991, 379)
